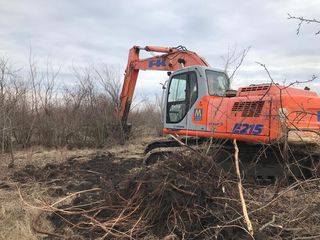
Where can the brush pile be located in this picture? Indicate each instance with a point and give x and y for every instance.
(183, 197)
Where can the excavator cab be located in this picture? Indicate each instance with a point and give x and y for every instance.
(185, 88)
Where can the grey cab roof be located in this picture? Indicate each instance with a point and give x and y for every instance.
(193, 68)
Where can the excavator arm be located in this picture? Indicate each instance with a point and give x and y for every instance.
(172, 59)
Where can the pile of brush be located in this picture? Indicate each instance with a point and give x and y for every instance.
(185, 197)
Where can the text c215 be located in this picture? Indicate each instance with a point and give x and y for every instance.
(244, 128)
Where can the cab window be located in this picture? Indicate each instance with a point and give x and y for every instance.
(217, 83)
(183, 92)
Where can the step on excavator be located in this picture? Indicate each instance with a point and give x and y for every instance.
(277, 127)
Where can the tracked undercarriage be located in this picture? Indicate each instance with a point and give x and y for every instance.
(260, 163)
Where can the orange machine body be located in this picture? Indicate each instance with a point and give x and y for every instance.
(197, 104)
(258, 114)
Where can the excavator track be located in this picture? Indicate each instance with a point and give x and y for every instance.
(259, 163)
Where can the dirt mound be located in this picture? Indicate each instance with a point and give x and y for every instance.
(76, 175)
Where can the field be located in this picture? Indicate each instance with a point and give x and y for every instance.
(89, 194)
(16, 217)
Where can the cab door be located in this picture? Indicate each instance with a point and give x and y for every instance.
(181, 95)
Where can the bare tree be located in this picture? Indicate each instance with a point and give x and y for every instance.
(110, 81)
(233, 61)
(34, 111)
(10, 93)
(304, 20)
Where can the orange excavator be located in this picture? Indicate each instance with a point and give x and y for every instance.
(200, 105)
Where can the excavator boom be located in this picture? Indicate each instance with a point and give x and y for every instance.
(172, 59)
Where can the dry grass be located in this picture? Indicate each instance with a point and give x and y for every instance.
(16, 218)
(39, 156)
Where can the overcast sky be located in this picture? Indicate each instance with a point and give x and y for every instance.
(83, 32)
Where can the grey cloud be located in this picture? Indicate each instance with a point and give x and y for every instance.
(81, 32)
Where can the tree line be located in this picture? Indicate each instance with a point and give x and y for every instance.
(36, 110)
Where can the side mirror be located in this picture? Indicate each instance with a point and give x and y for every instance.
(164, 85)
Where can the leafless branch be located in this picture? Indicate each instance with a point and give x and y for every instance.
(304, 20)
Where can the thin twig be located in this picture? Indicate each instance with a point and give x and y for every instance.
(242, 200)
